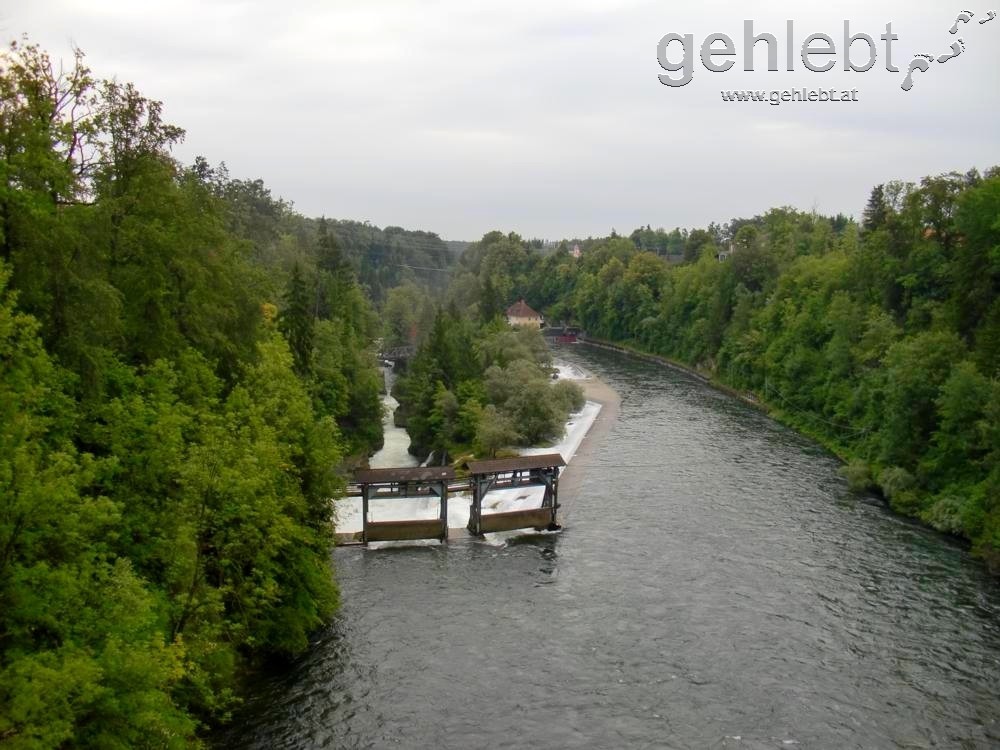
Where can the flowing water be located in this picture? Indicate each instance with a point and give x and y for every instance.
(395, 448)
(716, 586)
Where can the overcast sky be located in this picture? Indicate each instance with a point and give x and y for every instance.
(546, 118)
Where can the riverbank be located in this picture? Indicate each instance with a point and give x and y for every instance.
(583, 432)
(745, 396)
(803, 426)
(596, 391)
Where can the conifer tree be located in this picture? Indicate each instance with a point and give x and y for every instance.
(296, 322)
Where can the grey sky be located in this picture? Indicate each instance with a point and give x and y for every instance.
(542, 117)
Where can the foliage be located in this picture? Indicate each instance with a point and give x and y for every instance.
(408, 314)
(297, 322)
(495, 430)
(881, 340)
(485, 384)
(167, 456)
(858, 475)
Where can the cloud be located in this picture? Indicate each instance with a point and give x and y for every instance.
(547, 118)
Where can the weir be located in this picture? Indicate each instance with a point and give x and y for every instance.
(403, 483)
(417, 483)
(521, 471)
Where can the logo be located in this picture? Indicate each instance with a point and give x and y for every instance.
(855, 52)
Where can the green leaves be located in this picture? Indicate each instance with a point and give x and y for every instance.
(166, 460)
(882, 342)
(82, 649)
(296, 322)
(489, 387)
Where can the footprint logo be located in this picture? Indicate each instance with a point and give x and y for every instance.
(921, 63)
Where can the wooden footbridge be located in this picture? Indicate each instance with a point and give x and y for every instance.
(398, 353)
(417, 484)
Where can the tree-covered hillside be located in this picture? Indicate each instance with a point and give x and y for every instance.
(280, 237)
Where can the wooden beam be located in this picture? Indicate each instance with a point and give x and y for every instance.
(406, 531)
(444, 509)
(536, 518)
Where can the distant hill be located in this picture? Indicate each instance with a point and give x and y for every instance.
(389, 256)
(280, 237)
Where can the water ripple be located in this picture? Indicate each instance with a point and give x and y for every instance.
(717, 587)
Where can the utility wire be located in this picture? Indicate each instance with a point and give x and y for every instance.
(853, 430)
(420, 268)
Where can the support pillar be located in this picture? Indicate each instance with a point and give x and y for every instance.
(365, 490)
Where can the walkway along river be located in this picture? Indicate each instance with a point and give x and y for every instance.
(716, 586)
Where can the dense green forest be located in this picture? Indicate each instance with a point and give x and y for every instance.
(477, 385)
(882, 340)
(184, 361)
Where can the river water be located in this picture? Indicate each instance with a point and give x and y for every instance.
(716, 586)
(396, 441)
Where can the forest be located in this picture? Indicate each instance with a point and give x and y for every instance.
(476, 387)
(186, 369)
(381, 258)
(881, 339)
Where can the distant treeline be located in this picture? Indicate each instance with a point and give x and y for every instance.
(882, 339)
(184, 362)
(381, 258)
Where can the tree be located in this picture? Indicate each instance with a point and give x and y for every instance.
(166, 461)
(296, 322)
(876, 211)
(82, 658)
(496, 430)
(443, 421)
(975, 271)
(696, 241)
(490, 305)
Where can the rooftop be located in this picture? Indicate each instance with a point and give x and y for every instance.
(520, 309)
(405, 474)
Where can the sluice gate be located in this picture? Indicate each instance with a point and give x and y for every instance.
(419, 483)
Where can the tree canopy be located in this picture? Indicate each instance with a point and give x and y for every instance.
(173, 409)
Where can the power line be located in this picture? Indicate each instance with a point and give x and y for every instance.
(420, 268)
(768, 388)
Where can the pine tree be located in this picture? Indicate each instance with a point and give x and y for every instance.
(876, 211)
(329, 256)
(296, 322)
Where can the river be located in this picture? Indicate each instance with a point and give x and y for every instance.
(396, 441)
(716, 586)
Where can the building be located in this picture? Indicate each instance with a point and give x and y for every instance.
(575, 252)
(519, 314)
